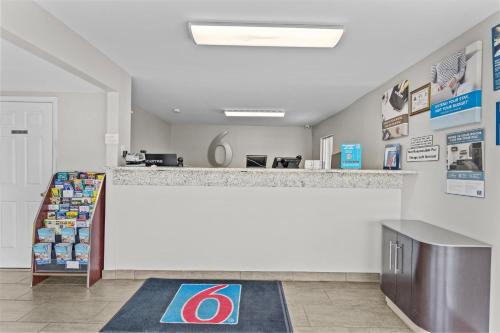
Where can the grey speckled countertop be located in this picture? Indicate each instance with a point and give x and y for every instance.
(237, 177)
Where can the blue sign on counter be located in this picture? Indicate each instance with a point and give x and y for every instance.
(350, 156)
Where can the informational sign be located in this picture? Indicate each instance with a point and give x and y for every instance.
(422, 141)
(495, 40)
(395, 111)
(350, 156)
(456, 88)
(465, 163)
(422, 154)
(392, 154)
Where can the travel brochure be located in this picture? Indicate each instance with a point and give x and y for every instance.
(65, 235)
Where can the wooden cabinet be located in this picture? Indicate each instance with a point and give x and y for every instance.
(438, 278)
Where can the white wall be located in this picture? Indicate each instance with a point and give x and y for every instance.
(424, 195)
(81, 125)
(27, 25)
(149, 132)
(192, 142)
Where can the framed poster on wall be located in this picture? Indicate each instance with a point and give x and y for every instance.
(495, 46)
(465, 163)
(395, 111)
(456, 88)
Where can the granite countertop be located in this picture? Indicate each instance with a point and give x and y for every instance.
(431, 234)
(240, 177)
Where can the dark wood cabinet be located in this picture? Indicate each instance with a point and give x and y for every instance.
(396, 275)
(388, 276)
(439, 279)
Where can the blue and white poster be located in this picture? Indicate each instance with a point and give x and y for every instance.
(456, 88)
(465, 163)
(350, 156)
(495, 40)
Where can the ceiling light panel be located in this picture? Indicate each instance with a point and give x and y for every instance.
(254, 113)
(265, 35)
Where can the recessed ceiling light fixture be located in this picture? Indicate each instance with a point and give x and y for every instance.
(233, 34)
(273, 113)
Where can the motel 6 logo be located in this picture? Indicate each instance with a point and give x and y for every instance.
(204, 303)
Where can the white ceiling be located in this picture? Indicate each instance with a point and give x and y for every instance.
(150, 40)
(20, 70)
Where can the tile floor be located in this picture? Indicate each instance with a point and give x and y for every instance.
(65, 305)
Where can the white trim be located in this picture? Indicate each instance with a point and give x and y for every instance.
(36, 99)
(408, 322)
(321, 150)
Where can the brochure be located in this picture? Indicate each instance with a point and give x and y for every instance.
(82, 253)
(83, 235)
(46, 235)
(64, 252)
(392, 154)
(68, 235)
(42, 253)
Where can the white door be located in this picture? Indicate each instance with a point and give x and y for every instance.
(25, 171)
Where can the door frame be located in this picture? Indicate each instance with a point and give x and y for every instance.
(37, 99)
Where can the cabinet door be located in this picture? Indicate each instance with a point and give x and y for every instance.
(388, 276)
(403, 257)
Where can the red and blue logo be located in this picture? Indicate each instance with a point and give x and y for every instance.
(205, 303)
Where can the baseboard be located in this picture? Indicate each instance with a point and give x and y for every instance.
(242, 275)
(414, 327)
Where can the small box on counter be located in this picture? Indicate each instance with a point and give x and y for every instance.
(42, 253)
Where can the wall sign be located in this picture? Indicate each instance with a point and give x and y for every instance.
(395, 111)
(212, 150)
(465, 163)
(422, 154)
(495, 40)
(350, 156)
(456, 88)
(420, 100)
(422, 141)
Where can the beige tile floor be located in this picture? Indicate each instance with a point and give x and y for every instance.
(65, 305)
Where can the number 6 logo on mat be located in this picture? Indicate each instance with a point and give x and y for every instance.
(204, 304)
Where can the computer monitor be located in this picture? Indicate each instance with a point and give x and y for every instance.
(287, 162)
(161, 159)
(256, 161)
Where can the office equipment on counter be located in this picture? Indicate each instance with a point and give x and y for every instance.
(287, 162)
(161, 160)
(313, 164)
(256, 161)
(135, 158)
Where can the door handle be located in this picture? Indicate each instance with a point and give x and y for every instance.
(43, 194)
(396, 268)
(390, 255)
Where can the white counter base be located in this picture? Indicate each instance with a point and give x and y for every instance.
(197, 228)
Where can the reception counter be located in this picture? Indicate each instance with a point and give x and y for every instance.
(247, 220)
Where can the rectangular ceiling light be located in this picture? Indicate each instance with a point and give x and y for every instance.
(265, 35)
(254, 113)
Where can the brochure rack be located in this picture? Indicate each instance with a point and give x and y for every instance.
(91, 270)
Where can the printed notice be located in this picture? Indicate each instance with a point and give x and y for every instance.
(465, 163)
(422, 154)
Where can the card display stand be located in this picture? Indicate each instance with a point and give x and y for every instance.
(91, 270)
